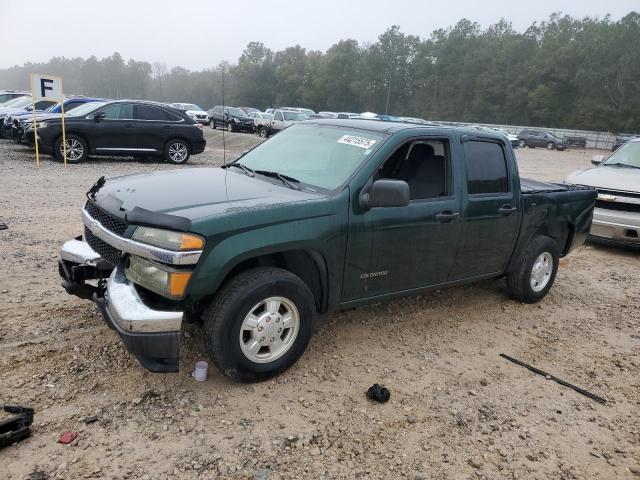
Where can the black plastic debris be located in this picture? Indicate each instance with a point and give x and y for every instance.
(16, 428)
(378, 393)
(3, 226)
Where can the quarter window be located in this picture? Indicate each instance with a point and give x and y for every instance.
(486, 168)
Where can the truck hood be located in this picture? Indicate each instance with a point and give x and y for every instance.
(608, 178)
(195, 193)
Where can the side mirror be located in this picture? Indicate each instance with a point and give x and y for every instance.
(597, 159)
(98, 116)
(28, 108)
(386, 193)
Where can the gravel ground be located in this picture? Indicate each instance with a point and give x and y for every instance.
(457, 410)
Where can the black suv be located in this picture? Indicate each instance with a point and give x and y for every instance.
(539, 138)
(232, 118)
(124, 128)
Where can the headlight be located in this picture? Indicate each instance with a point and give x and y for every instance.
(176, 241)
(161, 279)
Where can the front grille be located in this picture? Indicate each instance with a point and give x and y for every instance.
(619, 193)
(108, 221)
(618, 206)
(106, 251)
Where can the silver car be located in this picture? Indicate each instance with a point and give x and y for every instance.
(616, 218)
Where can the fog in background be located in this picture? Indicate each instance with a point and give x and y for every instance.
(196, 34)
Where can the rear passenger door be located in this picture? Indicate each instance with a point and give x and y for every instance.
(491, 214)
(155, 127)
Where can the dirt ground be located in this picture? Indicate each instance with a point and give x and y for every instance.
(457, 410)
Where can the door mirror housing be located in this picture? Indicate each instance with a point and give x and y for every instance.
(98, 116)
(597, 159)
(386, 193)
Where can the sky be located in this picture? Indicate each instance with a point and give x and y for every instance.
(196, 34)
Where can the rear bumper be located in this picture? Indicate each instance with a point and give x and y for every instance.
(150, 335)
(616, 227)
(198, 146)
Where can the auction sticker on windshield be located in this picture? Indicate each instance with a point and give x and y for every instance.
(356, 141)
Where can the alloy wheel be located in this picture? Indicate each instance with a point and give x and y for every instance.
(541, 272)
(75, 150)
(178, 152)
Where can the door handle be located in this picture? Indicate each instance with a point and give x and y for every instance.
(447, 216)
(507, 209)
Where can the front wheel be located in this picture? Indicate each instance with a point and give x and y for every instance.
(230, 127)
(77, 149)
(212, 123)
(259, 324)
(176, 151)
(263, 132)
(533, 277)
(522, 143)
(550, 146)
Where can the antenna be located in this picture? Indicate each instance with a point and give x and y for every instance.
(224, 127)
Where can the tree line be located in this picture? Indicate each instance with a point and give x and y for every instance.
(563, 72)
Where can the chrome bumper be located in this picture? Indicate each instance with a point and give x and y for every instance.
(616, 226)
(130, 313)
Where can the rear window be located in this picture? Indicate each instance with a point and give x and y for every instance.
(486, 168)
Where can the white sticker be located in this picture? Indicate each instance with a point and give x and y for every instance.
(356, 141)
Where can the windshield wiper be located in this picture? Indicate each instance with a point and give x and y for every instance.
(286, 179)
(620, 165)
(246, 169)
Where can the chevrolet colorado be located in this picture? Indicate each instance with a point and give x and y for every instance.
(329, 214)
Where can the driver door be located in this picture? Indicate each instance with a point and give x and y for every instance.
(116, 131)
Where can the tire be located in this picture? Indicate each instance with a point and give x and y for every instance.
(77, 149)
(212, 123)
(263, 132)
(530, 281)
(522, 143)
(230, 127)
(550, 146)
(228, 338)
(177, 151)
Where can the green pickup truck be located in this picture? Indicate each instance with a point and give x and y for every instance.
(328, 214)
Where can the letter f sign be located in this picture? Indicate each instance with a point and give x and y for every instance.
(45, 84)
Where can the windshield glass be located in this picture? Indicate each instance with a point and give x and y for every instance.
(236, 112)
(626, 155)
(85, 109)
(323, 156)
(191, 106)
(295, 116)
(18, 102)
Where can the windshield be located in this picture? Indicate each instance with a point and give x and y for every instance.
(85, 109)
(190, 106)
(323, 156)
(18, 102)
(627, 155)
(236, 112)
(295, 116)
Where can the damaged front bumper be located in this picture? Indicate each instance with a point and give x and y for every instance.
(152, 336)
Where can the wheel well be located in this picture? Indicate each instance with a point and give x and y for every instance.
(307, 265)
(561, 233)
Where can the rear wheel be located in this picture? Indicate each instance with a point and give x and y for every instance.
(176, 151)
(550, 146)
(230, 127)
(522, 143)
(77, 149)
(533, 277)
(213, 123)
(259, 324)
(263, 132)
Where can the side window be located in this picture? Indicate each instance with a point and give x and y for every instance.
(278, 116)
(424, 165)
(217, 109)
(118, 111)
(149, 112)
(486, 168)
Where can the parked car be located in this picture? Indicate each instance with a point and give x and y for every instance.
(249, 109)
(328, 114)
(194, 111)
(539, 138)
(281, 120)
(13, 126)
(259, 118)
(6, 95)
(18, 106)
(232, 118)
(575, 141)
(512, 137)
(123, 128)
(622, 139)
(327, 215)
(306, 111)
(616, 218)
